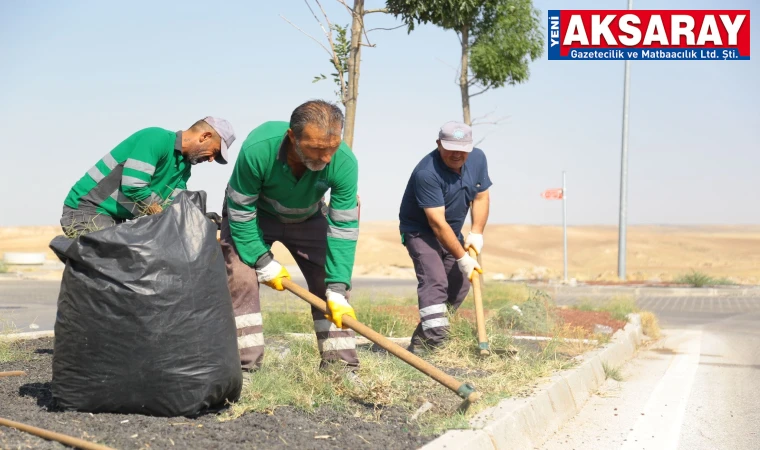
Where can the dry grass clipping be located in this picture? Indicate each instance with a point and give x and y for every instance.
(649, 324)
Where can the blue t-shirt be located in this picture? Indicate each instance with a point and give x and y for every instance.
(434, 184)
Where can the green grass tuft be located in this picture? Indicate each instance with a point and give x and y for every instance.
(10, 351)
(612, 372)
(700, 279)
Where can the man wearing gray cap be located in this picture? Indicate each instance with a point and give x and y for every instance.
(142, 174)
(433, 211)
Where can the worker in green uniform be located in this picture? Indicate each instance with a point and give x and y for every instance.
(275, 194)
(142, 174)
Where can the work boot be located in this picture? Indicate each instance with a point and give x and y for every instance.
(421, 350)
(378, 350)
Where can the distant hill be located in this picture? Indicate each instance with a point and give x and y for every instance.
(530, 251)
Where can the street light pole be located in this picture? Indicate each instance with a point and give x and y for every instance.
(624, 172)
(564, 222)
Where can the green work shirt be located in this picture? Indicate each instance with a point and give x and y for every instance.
(263, 182)
(147, 167)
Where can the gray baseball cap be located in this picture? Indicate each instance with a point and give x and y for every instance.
(225, 131)
(456, 136)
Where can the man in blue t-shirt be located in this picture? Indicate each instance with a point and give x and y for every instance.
(433, 210)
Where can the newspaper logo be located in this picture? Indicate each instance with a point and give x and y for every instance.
(649, 35)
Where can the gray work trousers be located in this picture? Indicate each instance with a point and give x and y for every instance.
(307, 243)
(76, 222)
(440, 286)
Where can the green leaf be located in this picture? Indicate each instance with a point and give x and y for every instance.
(505, 36)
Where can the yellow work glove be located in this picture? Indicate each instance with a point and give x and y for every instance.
(468, 265)
(337, 306)
(272, 275)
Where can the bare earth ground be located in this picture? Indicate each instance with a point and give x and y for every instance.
(530, 251)
(28, 399)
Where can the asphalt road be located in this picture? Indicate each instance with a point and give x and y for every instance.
(30, 305)
(697, 389)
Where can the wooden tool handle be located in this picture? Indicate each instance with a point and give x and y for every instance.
(464, 390)
(14, 373)
(480, 319)
(52, 435)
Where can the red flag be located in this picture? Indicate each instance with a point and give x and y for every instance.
(553, 194)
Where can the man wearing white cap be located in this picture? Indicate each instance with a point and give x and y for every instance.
(142, 174)
(433, 211)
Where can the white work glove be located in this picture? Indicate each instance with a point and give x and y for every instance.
(337, 306)
(474, 241)
(272, 275)
(468, 265)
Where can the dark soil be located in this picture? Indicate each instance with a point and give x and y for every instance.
(28, 399)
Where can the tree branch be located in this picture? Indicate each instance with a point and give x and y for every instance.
(361, 19)
(478, 93)
(445, 63)
(336, 62)
(496, 122)
(307, 34)
(386, 29)
(477, 119)
(379, 10)
(317, 18)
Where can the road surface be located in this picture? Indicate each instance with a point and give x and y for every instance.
(30, 305)
(696, 389)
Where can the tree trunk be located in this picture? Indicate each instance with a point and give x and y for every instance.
(463, 83)
(354, 61)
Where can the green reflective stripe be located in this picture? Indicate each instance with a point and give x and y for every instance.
(109, 161)
(140, 166)
(126, 180)
(124, 201)
(240, 199)
(351, 234)
(95, 173)
(311, 209)
(344, 215)
(240, 216)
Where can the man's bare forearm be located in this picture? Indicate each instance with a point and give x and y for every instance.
(448, 239)
(480, 209)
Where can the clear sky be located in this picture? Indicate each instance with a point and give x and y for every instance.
(78, 77)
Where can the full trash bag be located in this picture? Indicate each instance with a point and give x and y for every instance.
(145, 322)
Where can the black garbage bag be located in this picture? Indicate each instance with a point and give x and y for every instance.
(145, 322)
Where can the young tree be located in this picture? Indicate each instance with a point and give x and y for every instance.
(345, 57)
(499, 39)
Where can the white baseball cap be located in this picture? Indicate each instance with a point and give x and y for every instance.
(456, 136)
(225, 131)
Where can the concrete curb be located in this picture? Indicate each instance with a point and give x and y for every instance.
(642, 292)
(27, 335)
(527, 422)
